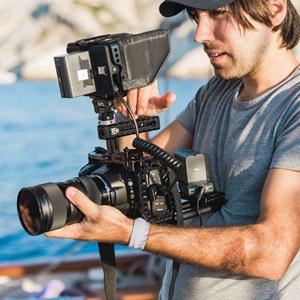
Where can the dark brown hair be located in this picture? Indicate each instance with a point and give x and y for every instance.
(259, 11)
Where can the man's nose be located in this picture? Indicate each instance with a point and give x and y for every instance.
(204, 32)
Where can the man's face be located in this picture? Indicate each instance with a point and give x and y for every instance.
(233, 52)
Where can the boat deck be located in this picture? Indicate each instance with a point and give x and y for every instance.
(82, 279)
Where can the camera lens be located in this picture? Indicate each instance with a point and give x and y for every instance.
(44, 207)
(29, 211)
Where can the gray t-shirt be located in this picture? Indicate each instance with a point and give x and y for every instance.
(241, 142)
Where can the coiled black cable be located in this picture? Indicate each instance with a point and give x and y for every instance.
(157, 153)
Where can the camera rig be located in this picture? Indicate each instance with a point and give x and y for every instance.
(106, 68)
(140, 182)
(154, 200)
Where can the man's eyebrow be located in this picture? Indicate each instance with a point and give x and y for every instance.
(221, 8)
(212, 10)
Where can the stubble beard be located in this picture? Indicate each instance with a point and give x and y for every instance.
(229, 72)
(238, 66)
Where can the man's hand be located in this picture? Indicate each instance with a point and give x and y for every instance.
(147, 101)
(101, 223)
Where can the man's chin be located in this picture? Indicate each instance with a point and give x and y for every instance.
(225, 74)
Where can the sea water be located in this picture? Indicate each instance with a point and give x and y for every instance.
(45, 138)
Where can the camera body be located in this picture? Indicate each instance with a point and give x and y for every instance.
(140, 182)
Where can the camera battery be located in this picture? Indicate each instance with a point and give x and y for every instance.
(193, 172)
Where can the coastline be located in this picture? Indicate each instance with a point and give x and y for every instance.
(42, 29)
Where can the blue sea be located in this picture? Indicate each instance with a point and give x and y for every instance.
(45, 138)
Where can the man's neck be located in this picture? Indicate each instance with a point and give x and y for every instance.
(272, 73)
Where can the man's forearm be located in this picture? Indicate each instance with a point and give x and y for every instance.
(240, 250)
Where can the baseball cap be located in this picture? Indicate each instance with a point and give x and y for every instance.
(171, 8)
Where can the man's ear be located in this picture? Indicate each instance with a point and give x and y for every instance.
(278, 11)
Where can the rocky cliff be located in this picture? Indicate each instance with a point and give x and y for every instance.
(34, 31)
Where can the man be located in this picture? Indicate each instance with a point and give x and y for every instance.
(246, 121)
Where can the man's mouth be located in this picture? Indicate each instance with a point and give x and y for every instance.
(216, 57)
(215, 54)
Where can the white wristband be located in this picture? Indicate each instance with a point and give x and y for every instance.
(139, 234)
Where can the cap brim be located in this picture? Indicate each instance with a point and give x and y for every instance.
(171, 8)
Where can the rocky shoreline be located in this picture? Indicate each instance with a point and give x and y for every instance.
(34, 31)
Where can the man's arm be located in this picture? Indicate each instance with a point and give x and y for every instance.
(264, 249)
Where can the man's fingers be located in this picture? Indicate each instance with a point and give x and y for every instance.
(132, 97)
(82, 202)
(146, 101)
(144, 95)
(167, 100)
(160, 104)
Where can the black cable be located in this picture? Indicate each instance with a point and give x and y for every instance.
(199, 197)
(157, 152)
(129, 111)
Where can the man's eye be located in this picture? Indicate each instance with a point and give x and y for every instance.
(219, 13)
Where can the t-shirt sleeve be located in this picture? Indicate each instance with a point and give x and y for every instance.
(287, 145)
(188, 117)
